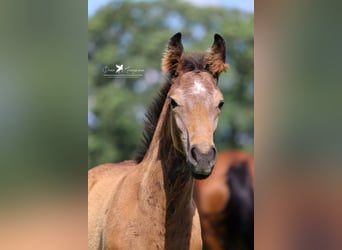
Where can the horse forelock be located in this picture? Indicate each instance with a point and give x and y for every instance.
(193, 62)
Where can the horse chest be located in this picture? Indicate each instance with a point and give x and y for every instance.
(136, 236)
(146, 233)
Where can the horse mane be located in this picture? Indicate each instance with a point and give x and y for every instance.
(189, 62)
(151, 120)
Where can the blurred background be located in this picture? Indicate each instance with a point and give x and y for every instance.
(135, 34)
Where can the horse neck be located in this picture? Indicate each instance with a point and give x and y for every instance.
(166, 175)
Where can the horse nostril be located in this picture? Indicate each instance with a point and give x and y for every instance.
(193, 153)
(212, 154)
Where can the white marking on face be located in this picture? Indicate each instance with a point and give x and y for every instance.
(198, 87)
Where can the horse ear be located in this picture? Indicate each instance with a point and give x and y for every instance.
(217, 56)
(172, 54)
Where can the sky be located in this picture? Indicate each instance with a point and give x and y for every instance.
(245, 5)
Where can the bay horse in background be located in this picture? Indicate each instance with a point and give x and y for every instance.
(147, 203)
(225, 203)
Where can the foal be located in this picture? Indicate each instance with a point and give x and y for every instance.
(147, 203)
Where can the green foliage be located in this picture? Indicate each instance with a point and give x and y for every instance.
(135, 34)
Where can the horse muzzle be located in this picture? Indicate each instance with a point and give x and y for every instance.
(202, 160)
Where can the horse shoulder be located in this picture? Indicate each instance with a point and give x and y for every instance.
(103, 181)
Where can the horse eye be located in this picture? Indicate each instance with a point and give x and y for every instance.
(173, 103)
(220, 105)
